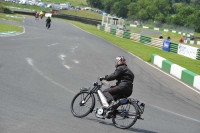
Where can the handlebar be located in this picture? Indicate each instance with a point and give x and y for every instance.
(103, 81)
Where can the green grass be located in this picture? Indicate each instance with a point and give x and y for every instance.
(141, 50)
(12, 17)
(83, 13)
(9, 27)
(135, 30)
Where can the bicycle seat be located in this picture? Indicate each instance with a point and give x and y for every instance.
(123, 100)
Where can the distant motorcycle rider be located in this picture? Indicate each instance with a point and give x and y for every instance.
(41, 14)
(36, 15)
(48, 21)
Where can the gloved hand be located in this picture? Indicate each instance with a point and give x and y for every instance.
(113, 85)
(101, 78)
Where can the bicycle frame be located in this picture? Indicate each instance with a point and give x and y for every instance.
(95, 90)
(97, 87)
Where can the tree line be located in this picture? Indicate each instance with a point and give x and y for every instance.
(179, 12)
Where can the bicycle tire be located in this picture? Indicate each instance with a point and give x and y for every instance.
(78, 102)
(122, 115)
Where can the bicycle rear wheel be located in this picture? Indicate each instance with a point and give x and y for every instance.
(125, 116)
(82, 104)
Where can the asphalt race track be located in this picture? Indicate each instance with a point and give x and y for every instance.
(42, 69)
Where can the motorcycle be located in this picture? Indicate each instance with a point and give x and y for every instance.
(41, 16)
(124, 113)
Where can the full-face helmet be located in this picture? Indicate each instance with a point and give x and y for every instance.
(120, 60)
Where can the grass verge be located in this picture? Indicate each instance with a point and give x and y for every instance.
(11, 17)
(9, 27)
(141, 50)
(83, 13)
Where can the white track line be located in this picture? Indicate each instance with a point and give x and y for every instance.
(30, 62)
(53, 44)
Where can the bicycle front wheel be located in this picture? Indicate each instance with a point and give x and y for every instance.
(125, 116)
(82, 104)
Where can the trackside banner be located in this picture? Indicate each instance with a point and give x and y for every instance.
(187, 51)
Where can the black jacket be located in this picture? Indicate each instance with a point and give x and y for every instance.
(123, 75)
(48, 20)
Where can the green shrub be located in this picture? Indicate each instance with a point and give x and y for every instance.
(8, 11)
(1, 8)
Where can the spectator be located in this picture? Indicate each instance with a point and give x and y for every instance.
(168, 38)
(161, 37)
(181, 39)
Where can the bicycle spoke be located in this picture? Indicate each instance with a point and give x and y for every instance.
(126, 116)
(82, 104)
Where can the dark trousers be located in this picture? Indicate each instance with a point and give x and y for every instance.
(47, 24)
(117, 92)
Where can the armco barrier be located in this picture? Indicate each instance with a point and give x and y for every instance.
(157, 43)
(177, 71)
(192, 42)
(145, 40)
(76, 18)
(65, 16)
(126, 35)
(25, 13)
(173, 47)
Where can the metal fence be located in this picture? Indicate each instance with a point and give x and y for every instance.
(150, 23)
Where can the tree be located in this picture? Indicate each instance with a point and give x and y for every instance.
(193, 20)
(196, 4)
(142, 13)
(107, 5)
(159, 17)
(182, 17)
(163, 6)
(120, 8)
(95, 3)
(176, 7)
(132, 10)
